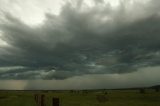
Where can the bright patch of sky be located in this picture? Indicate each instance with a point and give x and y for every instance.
(32, 12)
(2, 42)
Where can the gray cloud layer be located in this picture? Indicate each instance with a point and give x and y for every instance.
(151, 76)
(98, 40)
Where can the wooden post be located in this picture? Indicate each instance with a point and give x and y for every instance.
(39, 99)
(142, 91)
(55, 101)
(157, 89)
(42, 100)
(36, 97)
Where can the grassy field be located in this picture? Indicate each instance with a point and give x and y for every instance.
(80, 98)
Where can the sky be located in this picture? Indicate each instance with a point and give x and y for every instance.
(79, 44)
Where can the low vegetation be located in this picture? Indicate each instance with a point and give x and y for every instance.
(83, 98)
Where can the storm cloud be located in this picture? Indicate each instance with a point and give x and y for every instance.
(81, 40)
(151, 76)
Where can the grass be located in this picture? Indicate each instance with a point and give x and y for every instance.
(67, 98)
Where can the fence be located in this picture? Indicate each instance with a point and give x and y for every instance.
(40, 100)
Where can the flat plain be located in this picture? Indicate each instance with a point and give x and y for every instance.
(83, 98)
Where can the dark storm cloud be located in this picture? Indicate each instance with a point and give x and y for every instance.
(78, 42)
(151, 76)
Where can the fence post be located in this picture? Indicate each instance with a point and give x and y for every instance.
(142, 91)
(55, 101)
(39, 99)
(36, 97)
(157, 89)
(42, 100)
